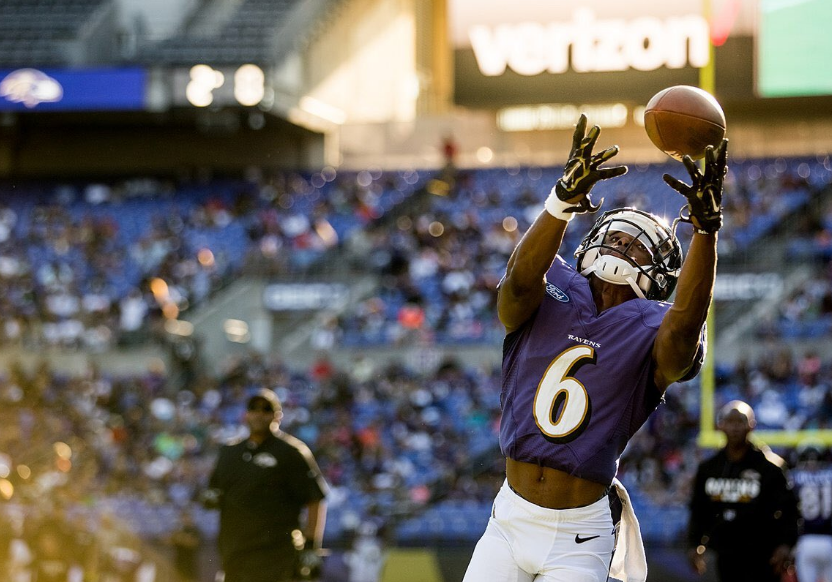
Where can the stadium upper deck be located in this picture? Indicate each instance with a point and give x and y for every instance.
(363, 83)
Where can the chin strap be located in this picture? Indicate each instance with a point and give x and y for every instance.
(628, 279)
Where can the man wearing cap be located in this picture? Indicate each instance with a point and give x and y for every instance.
(263, 486)
(743, 507)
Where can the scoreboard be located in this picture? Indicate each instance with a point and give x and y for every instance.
(203, 85)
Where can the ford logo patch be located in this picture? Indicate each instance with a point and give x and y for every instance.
(557, 293)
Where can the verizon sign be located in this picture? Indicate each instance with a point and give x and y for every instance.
(590, 44)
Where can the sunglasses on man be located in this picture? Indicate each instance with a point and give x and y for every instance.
(260, 408)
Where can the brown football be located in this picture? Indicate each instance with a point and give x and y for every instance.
(684, 120)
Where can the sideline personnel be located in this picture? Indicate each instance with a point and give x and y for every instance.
(743, 507)
(262, 485)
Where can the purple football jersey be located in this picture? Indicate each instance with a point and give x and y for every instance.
(578, 385)
(814, 491)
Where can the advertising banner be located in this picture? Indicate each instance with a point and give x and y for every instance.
(598, 51)
(31, 89)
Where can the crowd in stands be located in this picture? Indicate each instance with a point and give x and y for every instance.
(411, 452)
(787, 391)
(807, 310)
(91, 266)
(388, 440)
(438, 269)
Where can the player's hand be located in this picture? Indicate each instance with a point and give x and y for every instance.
(704, 195)
(309, 563)
(582, 169)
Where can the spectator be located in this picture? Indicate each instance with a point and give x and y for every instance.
(133, 310)
(54, 548)
(365, 558)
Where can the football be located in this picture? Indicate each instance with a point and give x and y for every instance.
(684, 120)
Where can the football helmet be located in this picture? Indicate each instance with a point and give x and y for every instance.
(810, 451)
(655, 280)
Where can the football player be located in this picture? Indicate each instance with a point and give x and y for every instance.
(812, 478)
(587, 356)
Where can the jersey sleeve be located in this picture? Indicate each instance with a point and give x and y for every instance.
(560, 273)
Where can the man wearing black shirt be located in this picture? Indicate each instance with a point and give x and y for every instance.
(743, 507)
(262, 487)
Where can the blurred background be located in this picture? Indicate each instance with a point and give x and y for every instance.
(201, 197)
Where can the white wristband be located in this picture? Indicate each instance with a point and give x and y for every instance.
(557, 207)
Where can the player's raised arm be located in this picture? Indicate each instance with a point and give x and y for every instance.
(679, 335)
(522, 289)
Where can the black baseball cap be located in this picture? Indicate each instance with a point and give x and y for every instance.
(267, 396)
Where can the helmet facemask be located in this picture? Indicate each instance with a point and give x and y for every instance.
(654, 280)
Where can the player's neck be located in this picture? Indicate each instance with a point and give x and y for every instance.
(608, 295)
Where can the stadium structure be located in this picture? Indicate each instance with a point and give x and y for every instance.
(202, 196)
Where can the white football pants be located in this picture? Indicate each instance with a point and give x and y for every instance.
(525, 542)
(813, 558)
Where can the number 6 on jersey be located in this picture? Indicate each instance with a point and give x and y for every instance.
(561, 404)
